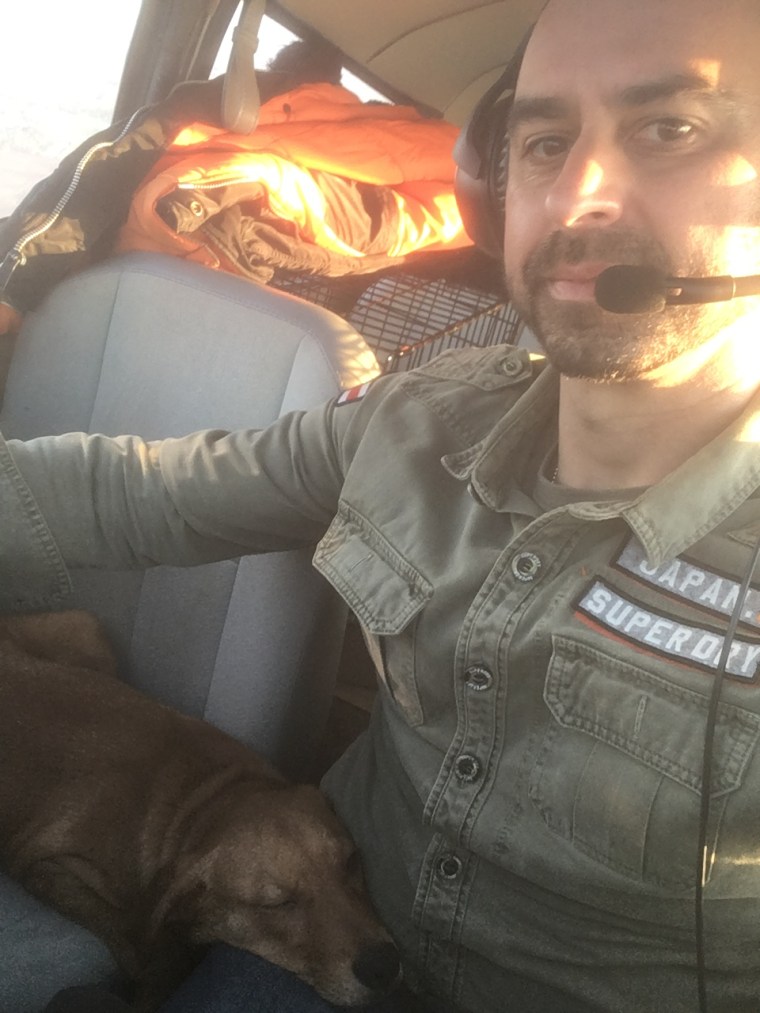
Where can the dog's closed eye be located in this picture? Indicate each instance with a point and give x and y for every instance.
(277, 905)
(274, 897)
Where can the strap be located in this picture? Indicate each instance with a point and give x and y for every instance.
(240, 99)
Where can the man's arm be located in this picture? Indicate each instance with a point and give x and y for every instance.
(92, 501)
(32, 572)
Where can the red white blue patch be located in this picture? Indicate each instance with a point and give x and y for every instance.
(354, 394)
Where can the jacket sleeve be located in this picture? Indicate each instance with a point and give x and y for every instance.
(93, 501)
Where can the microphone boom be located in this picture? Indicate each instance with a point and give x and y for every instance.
(637, 288)
(631, 288)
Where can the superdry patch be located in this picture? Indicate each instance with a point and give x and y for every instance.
(684, 579)
(354, 394)
(621, 618)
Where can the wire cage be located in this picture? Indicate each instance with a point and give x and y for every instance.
(408, 318)
(336, 294)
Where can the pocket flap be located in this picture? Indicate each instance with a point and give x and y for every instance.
(378, 584)
(648, 717)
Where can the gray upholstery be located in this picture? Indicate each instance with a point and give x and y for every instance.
(155, 346)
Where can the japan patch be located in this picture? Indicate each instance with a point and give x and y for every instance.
(354, 394)
(687, 581)
(614, 615)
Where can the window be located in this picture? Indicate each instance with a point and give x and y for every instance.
(272, 38)
(59, 76)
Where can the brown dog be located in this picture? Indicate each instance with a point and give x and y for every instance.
(161, 834)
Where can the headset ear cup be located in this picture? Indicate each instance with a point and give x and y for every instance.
(482, 154)
(497, 167)
(482, 157)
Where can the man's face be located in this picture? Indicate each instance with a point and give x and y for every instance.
(635, 138)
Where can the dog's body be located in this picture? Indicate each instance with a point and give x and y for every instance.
(162, 834)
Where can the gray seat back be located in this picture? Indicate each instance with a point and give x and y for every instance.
(156, 346)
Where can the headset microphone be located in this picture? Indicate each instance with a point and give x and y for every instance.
(636, 288)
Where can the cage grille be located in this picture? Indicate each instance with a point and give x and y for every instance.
(407, 319)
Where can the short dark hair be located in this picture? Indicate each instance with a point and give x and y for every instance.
(307, 61)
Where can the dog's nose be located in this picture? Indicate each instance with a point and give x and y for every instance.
(378, 967)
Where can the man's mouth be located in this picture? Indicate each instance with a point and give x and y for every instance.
(574, 283)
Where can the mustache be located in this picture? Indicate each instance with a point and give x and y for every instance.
(616, 245)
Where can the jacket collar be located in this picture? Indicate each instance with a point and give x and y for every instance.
(667, 518)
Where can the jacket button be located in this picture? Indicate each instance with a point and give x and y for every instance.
(512, 367)
(467, 768)
(449, 867)
(525, 566)
(196, 207)
(478, 678)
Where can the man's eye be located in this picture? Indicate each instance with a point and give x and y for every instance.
(670, 131)
(545, 148)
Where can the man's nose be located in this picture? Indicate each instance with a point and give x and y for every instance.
(590, 188)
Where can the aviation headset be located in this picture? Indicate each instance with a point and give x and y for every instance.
(481, 154)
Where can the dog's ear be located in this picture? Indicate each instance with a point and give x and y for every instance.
(179, 897)
(73, 638)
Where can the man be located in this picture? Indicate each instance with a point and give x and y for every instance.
(545, 564)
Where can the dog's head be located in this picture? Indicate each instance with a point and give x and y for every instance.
(276, 874)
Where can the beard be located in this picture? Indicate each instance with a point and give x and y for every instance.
(581, 339)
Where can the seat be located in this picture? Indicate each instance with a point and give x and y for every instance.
(156, 346)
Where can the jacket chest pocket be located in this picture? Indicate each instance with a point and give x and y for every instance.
(620, 767)
(386, 593)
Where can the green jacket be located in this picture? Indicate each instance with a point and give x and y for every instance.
(526, 798)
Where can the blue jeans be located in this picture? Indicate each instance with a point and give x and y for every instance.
(233, 981)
